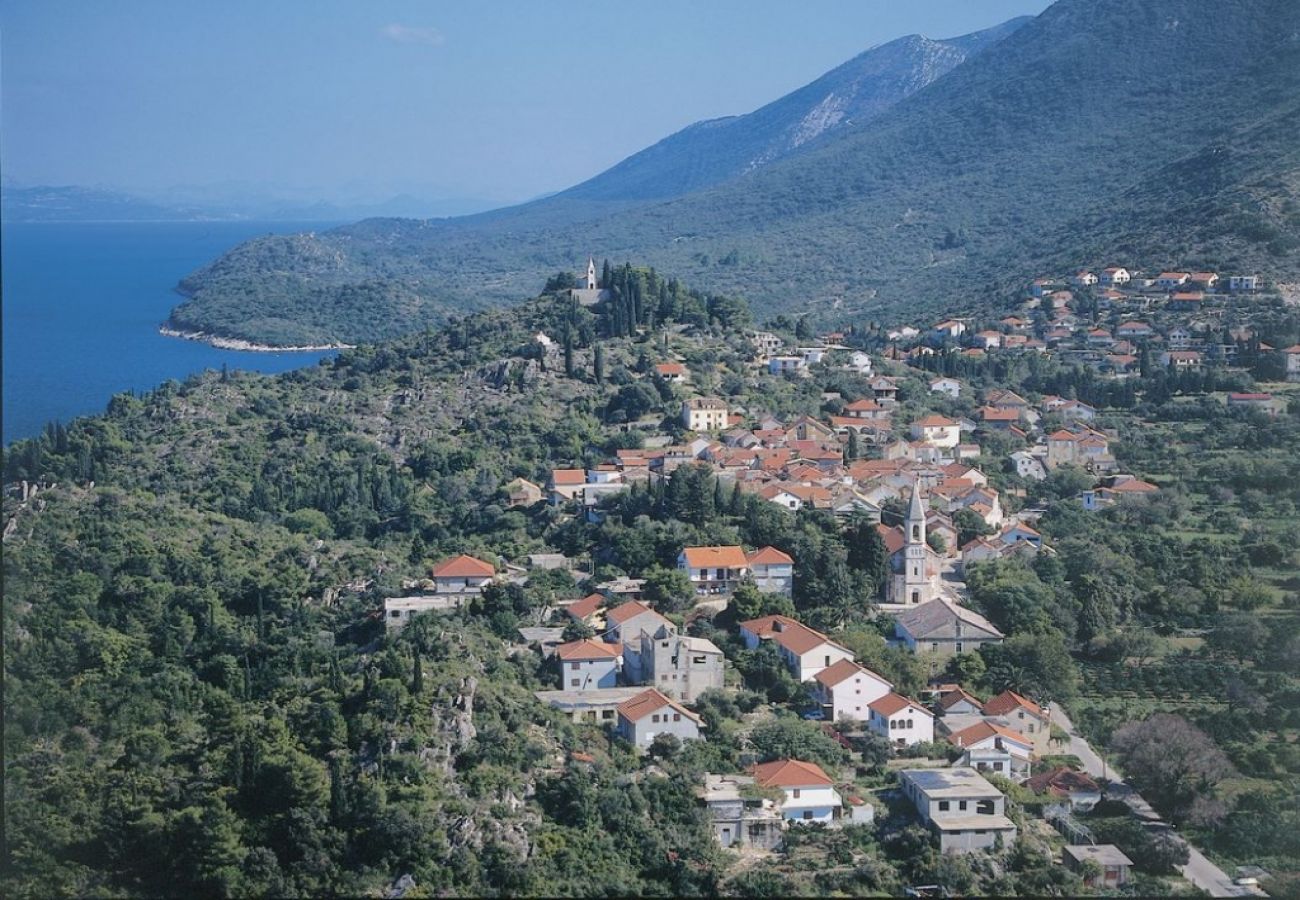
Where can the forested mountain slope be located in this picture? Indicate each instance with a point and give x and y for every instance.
(1098, 128)
(710, 152)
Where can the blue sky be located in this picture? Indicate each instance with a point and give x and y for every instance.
(496, 101)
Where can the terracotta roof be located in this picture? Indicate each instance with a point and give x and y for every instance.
(588, 649)
(586, 606)
(769, 556)
(646, 702)
(982, 731)
(784, 773)
(934, 421)
(892, 703)
(1133, 486)
(790, 633)
(1062, 781)
(715, 557)
(862, 406)
(845, 668)
(621, 613)
(1008, 701)
(464, 567)
(952, 698)
(993, 414)
(670, 369)
(568, 476)
(893, 537)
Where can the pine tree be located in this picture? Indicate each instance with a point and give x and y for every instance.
(598, 365)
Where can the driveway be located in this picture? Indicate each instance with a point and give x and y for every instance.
(1199, 870)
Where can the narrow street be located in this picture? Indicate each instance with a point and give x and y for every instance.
(1199, 870)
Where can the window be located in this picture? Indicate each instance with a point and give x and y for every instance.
(807, 813)
(959, 646)
(575, 666)
(934, 646)
(677, 717)
(794, 793)
(607, 713)
(984, 807)
(575, 682)
(961, 805)
(827, 659)
(395, 614)
(663, 677)
(698, 660)
(909, 723)
(655, 718)
(944, 806)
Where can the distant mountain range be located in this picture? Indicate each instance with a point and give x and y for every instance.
(1103, 131)
(71, 203)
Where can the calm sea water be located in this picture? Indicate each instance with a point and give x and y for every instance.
(82, 305)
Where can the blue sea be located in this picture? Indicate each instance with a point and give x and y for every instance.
(82, 305)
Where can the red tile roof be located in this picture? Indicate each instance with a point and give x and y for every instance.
(646, 702)
(845, 668)
(1009, 700)
(621, 613)
(892, 703)
(982, 731)
(770, 556)
(715, 557)
(588, 649)
(585, 607)
(463, 567)
(784, 773)
(953, 697)
(568, 476)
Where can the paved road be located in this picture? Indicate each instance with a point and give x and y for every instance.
(1199, 870)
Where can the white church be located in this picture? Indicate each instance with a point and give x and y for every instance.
(588, 292)
(914, 570)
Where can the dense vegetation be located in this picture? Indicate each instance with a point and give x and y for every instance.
(200, 696)
(1072, 142)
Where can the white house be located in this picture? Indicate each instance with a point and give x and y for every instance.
(772, 570)
(1115, 277)
(901, 721)
(714, 570)
(960, 806)
(786, 365)
(462, 575)
(588, 665)
(1292, 355)
(1243, 282)
(704, 414)
(937, 430)
(650, 714)
(1028, 466)
(810, 795)
(804, 650)
(846, 690)
(950, 387)
(990, 736)
(627, 621)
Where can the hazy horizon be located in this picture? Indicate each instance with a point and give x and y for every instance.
(477, 107)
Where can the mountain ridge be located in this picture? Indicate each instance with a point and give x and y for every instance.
(1016, 159)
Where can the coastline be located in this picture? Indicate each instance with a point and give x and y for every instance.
(225, 343)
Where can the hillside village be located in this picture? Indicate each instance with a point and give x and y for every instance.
(916, 480)
(891, 604)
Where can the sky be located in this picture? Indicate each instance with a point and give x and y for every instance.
(494, 101)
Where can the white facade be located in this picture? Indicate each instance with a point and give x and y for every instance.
(965, 811)
(902, 726)
(850, 696)
(811, 804)
(950, 387)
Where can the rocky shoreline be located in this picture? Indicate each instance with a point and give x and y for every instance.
(227, 343)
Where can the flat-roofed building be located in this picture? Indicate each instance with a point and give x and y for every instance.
(960, 806)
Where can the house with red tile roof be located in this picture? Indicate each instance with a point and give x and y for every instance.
(588, 665)
(714, 570)
(810, 794)
(804, 650)
(650, 714)
(585, 610)
(462, 575)
(901, 720)
(987, 737)
(1068, 785)
(672, 372)
(772, 570)
(1023, 716)
(845, 690)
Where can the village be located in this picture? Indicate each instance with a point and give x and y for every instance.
(624, 666)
